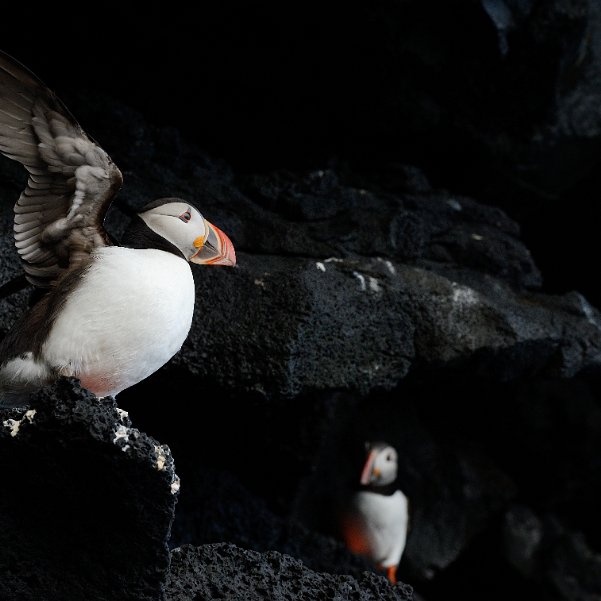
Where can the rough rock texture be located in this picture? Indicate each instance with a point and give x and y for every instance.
(388, 292)
(87, 501)
(439, 276)
(503, 93)
(247, 521)
(227, 572)
(352, 307)
(546, 551)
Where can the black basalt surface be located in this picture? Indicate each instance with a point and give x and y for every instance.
(227, 572)
(87, 501)
(417, 316)
(412, 191)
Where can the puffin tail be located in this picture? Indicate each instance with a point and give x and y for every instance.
(19, 377)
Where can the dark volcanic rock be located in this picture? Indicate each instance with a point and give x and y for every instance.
(87, 501)
(227, 572)
(310, 324)
(246, 521)
(545, 550)
(455, 490)
(486, 91)
(324, 264)
(345, 288)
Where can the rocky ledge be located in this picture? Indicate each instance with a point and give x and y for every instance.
(87, 501)
(223, 571)
(87, 509)
(364, 305)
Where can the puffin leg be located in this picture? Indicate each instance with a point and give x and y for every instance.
(391, 574)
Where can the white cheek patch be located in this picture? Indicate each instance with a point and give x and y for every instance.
(165, 221)
(169, 227)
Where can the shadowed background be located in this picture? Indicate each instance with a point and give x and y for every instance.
(458, 141)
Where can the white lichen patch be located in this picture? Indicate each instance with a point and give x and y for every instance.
(371, 370)
(374, 285)
(588, 311)
(161, 461)
(361, 279)
(122, 414)
(391, 268)
(477, 237)
(463, 296)
(121, 433)
(333, 260)
(454, 204)
(260, 282)
(125, 448)
(14, 424)
(175, 485)
(320, 266)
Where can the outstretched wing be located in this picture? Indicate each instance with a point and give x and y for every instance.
(72, 181)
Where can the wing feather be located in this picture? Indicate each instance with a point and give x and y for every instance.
(72, 181)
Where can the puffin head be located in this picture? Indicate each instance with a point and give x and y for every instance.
(380, 467)
(182, 225)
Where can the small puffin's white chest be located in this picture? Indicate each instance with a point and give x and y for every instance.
(127, 317)
(383, 521)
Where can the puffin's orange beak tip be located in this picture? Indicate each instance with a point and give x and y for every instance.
(221, 252)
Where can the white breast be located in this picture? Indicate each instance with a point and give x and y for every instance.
(383, 520)
(129, 315)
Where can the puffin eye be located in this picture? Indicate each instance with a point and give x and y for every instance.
(186, 216)
(389, 457)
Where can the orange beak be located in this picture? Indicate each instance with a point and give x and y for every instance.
(367, 468)
(214, 248)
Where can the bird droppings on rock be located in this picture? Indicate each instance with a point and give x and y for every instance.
(391, 268)
(14, 425)
(463, 295)
(374, 285)
(161, 457)
(121, 432)
(175, 485)
(361, 279)
(454, 204)
(122, 414)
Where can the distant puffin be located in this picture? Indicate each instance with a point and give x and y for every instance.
(375, 518)
(112, 315)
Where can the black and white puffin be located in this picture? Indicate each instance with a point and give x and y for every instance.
(375, 518)
(112, 315)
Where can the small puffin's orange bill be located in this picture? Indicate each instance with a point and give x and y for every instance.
(366, 473)
(214, 248)
(367, 468)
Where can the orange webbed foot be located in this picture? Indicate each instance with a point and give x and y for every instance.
(391, 574)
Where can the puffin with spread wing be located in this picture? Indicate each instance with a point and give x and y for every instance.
(111, 315)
